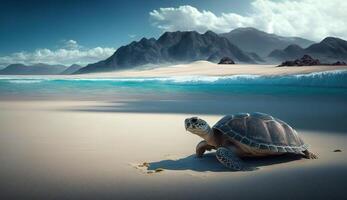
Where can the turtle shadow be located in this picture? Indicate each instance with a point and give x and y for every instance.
(209, 163)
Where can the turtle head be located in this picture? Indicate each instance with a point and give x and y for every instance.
(197, 126)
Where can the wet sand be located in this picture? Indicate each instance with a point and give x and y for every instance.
(71, 150)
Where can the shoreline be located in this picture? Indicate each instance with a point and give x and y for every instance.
(198, 68)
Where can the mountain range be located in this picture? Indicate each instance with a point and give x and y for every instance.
(253, 40)
(34, 69)
(242, 45)
(330, 49)
(245, 45)
(39, 69)
(176, 46)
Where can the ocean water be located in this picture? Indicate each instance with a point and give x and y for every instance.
(332, 83)
(316, 101)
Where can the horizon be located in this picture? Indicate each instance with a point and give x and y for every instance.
(73, 41)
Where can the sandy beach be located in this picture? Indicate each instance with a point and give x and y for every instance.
(90, 137)
(205, 68)
(67, 149)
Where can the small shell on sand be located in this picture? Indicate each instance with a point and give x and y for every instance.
(155, 171)
(159, 170)
(144, 167)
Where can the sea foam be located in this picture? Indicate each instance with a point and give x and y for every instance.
(336, 78)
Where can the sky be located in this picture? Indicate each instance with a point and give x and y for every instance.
(86, 31)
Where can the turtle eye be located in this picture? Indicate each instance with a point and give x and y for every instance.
(194, 119)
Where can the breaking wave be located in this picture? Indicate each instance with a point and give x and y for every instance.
(337, 78)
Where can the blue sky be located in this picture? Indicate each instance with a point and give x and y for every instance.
(31, 24)
(84, 31)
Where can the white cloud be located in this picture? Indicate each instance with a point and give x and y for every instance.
(70, 53)
(71, 44)
(312, 19)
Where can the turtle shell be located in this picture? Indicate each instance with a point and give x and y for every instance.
(261, 131)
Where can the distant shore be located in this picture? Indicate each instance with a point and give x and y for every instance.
(199, 68)
(205, 68)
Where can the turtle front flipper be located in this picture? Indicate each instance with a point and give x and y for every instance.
(202, 147)
(229, 159)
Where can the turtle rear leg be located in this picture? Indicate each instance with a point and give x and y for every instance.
(309, 155)
(229, 159)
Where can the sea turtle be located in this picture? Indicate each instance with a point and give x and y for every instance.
(246, 135)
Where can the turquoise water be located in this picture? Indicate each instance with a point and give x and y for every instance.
(316, 101)
(333, 83)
